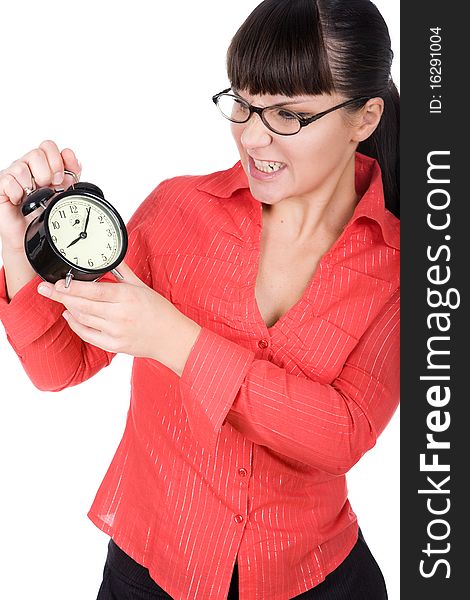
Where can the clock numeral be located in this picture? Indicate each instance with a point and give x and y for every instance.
(110, 233)
(56, 224)
(108, 246)
(62, 214)
(73, 209)
(90, 262)
(75, 258)
(62, 251)
(54, 239)
(104, 257)
(101, 219)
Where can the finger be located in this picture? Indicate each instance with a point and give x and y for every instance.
(99, 323)
(10, 189)
(128, 274)
(90, 335)
(78, 305)
(71, 162)
(88, 290)
(19, 170)
(99, 291)
(38, 164)
(54, 159)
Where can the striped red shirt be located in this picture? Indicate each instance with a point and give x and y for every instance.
(244, 456)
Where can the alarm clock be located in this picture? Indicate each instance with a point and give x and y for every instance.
(77, 235)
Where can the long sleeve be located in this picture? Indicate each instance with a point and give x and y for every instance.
(52, 355)
(326, 426)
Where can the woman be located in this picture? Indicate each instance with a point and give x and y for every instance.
(261, 304)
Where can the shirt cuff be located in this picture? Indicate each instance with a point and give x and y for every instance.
(209, 384)
(28, 315)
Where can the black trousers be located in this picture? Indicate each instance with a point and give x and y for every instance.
(358, 577)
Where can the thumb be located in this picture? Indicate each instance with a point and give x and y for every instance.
(71, 163)
(128, 274)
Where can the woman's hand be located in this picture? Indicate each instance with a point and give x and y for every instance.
(126, 316)
(43, 166)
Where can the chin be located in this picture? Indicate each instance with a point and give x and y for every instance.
(264, 195)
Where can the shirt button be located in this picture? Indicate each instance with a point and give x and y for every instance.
(242, 472)
(263, 344)
(238, 518)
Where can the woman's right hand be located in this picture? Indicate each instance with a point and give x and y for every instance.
(46, 165)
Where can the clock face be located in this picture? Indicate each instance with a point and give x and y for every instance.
(85, 232)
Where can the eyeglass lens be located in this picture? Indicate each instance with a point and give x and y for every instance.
(278, 119)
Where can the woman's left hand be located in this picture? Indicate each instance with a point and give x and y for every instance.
(126, 316)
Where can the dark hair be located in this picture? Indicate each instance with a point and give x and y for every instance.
(294, 47)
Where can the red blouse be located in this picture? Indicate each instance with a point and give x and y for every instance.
(242, 457)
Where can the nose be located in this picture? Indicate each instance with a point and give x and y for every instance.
(255, 133)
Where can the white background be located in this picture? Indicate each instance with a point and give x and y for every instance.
(128, 86)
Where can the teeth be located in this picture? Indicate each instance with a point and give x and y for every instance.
(267, 166)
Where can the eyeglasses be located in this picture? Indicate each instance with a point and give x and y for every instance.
(276, 118)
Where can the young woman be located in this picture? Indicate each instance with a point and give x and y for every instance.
(261, 306)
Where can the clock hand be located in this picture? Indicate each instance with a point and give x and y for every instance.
(83, 234)
(87, 219)
(75, 241)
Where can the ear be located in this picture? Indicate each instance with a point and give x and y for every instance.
(368, 119)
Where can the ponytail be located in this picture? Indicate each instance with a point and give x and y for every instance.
(384, 146)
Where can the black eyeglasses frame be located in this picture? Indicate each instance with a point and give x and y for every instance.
(303, 121)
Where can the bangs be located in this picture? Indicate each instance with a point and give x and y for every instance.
(265, 57)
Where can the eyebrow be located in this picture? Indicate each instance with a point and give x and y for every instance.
(290, 102)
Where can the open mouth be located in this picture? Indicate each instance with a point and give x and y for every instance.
(268, 166)
(264, 169)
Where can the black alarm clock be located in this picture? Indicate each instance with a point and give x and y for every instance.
(77, 235)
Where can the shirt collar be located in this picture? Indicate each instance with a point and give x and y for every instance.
(371, 205)
(224, 184)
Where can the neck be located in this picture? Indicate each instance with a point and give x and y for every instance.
(327, 210)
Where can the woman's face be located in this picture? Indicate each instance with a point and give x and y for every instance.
(301, 164)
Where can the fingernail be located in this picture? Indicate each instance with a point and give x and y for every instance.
(58, 178)
(44, 290)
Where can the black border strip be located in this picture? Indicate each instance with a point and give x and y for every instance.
(435, 326)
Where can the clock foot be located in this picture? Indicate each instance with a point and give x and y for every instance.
(116, 274)
(68, 279)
